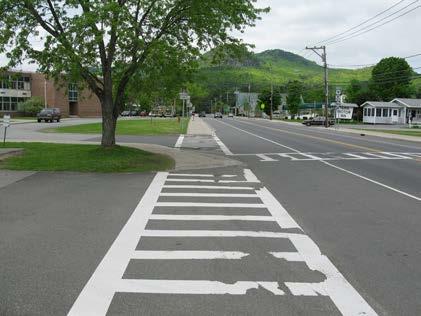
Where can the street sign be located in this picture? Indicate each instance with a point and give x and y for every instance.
(6, 120)
(184, 96)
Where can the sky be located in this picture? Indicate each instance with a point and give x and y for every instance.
(293, 24)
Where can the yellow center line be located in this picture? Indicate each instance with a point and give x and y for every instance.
(319, 138)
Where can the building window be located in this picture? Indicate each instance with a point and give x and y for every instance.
(73, 93)
(365, 112)
(378, 112)
(385, 111)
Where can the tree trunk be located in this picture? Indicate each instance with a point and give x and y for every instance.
(109, 121)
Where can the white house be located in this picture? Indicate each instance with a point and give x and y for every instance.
(412, 108)
(383, 113)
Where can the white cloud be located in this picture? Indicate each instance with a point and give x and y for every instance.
(293, 24)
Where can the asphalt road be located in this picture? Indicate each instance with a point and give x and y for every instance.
(314, 223)
(368, 227)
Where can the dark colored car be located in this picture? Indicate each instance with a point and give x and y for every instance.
(218, 115)
(49, 115)
(125, 113)
(134, 113)
(202, 114)
(318, 120)
(143, 113)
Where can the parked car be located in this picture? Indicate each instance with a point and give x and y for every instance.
(49, 115)
(230, 115)
(217, 115)
(202, 114)
(318, 120)
(125, 113)
(134, 113)
(143, 113)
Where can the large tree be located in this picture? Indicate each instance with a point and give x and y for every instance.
(295, 92)
(105, 42)
(391, 78)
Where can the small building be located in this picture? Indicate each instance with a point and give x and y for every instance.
(16, 87)
(383, 113)
(246, 103)
(412, 108)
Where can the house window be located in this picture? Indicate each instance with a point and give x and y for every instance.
(385, 111)
(372, 112)
(73, 93)
(365, 112)
(378, 112)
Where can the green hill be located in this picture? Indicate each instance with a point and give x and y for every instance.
(275, 66)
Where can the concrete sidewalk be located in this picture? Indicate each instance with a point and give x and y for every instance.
(198, 127)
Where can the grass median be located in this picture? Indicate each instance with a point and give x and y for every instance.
(84, 158)
(138, 127)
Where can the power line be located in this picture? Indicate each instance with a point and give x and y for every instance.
(376, 27)
(373, 64)
(361, 24)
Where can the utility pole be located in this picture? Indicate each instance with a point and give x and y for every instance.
(271, 101)
(324, 59)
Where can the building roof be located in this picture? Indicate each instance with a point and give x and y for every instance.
(376, 104)
(348, 105)
(411, 103)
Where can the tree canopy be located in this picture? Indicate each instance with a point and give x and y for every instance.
(295, 92)
(391, 78)
(104, 43)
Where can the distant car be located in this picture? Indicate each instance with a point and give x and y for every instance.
(49, 115)
(202, 114)
(230, 115)
(318, 120)
(125, 113)
(143, 113)
(134, 113)
(217, 115)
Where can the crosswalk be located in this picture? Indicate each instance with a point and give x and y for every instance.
(206, 236)
(295, 156)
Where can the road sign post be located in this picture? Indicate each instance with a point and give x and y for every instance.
(183, 96)
(6, 124)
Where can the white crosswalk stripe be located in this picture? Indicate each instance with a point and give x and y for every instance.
(301, 157)
(107, 280)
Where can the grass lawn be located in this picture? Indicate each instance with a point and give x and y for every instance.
(156, 126)
(414, 132)
(83, 158)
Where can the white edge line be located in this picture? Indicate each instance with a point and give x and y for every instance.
(96, 296)
(179, 141)
(221, 145)
(191, 194)
(373, 181)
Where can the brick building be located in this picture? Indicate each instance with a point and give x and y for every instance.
(17, 87)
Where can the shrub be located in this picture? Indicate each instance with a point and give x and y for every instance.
(31, 106)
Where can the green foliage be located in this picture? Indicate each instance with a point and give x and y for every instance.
(391, 78)
(359, 92)
(295, 92)
(109, 45)
(31, 106)
(265, 98)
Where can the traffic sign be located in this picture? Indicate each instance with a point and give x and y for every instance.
(6, 120)
(184, 96)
